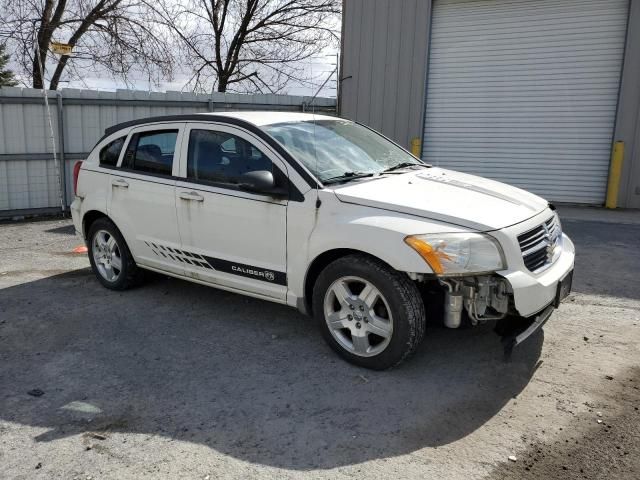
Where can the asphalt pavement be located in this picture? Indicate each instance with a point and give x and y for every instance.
(177, 380)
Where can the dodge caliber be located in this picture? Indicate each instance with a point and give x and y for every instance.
(325, 215)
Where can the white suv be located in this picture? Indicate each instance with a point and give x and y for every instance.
(322, 214)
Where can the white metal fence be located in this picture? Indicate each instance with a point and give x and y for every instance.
(28, 180)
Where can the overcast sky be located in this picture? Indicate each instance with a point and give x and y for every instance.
(316, 71)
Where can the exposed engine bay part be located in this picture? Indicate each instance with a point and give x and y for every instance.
(484, 298)
(453, 303)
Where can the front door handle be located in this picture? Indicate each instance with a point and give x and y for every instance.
(191, 196)
(118, 182)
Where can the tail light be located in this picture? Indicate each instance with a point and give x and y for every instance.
(76, 174)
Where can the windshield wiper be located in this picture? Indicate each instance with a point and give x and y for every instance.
(405, 165)
(347, 176)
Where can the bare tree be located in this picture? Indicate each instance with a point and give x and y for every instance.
(249, 45)
(108, 36)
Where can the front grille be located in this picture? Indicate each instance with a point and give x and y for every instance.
(538, 245)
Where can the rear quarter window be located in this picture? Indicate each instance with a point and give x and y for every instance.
(110, 153)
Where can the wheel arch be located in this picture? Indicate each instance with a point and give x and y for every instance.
(319, 263)
(90, 217)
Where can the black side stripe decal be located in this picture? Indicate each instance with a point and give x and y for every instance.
(257, 273)
(234, 268)
(178, 255)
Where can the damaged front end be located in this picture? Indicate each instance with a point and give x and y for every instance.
(484, 298)
(474, 299)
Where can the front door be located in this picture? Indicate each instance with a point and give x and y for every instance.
(142, 198)
(233, 238)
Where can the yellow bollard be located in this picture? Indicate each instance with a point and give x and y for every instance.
(615, 171)
(415, 147)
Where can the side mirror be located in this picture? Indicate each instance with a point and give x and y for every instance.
(259, 181)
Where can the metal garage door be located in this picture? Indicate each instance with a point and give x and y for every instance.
(525, 92)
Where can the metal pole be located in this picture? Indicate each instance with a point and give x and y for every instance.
(615, 172)
(323, 84)
(63, 165)
(51, 134)
(337, 82)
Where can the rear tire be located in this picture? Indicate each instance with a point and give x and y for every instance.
(370, 314)
(110, 257)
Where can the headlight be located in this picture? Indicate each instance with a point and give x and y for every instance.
(458, 253)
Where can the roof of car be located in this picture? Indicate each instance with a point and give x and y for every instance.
(255, 118)
(260, 118)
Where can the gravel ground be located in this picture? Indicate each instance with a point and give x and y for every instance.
(176, 380)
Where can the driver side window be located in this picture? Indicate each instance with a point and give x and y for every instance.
(221, 157)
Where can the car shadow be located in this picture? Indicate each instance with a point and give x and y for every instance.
(63, 230)
(245, 377)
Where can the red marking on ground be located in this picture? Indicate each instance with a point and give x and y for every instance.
(80, 249)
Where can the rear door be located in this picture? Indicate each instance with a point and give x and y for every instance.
(142, 196)
(232, 238)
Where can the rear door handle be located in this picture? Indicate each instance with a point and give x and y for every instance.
(118, 182)
(191, 196)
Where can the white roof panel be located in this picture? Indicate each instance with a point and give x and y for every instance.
(260, 118)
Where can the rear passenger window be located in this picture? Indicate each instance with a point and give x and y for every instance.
(222, 157)
(110, 153)
(151, 152)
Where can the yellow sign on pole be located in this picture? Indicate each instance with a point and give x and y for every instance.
(61, 48)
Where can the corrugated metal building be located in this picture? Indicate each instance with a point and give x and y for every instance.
(30, 181)
(529, 92)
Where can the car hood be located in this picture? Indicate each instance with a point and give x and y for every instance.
(445, 195)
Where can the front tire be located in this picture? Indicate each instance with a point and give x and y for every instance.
(111, 260)
(370, 314)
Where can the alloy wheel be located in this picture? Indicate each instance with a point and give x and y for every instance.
(107, 256)
(358, 316)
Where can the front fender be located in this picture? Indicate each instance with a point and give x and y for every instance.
(381, 236)
(373, 231)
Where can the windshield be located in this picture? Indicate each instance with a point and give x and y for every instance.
(337, 148)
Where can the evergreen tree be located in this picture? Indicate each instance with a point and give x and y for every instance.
(6, 76)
